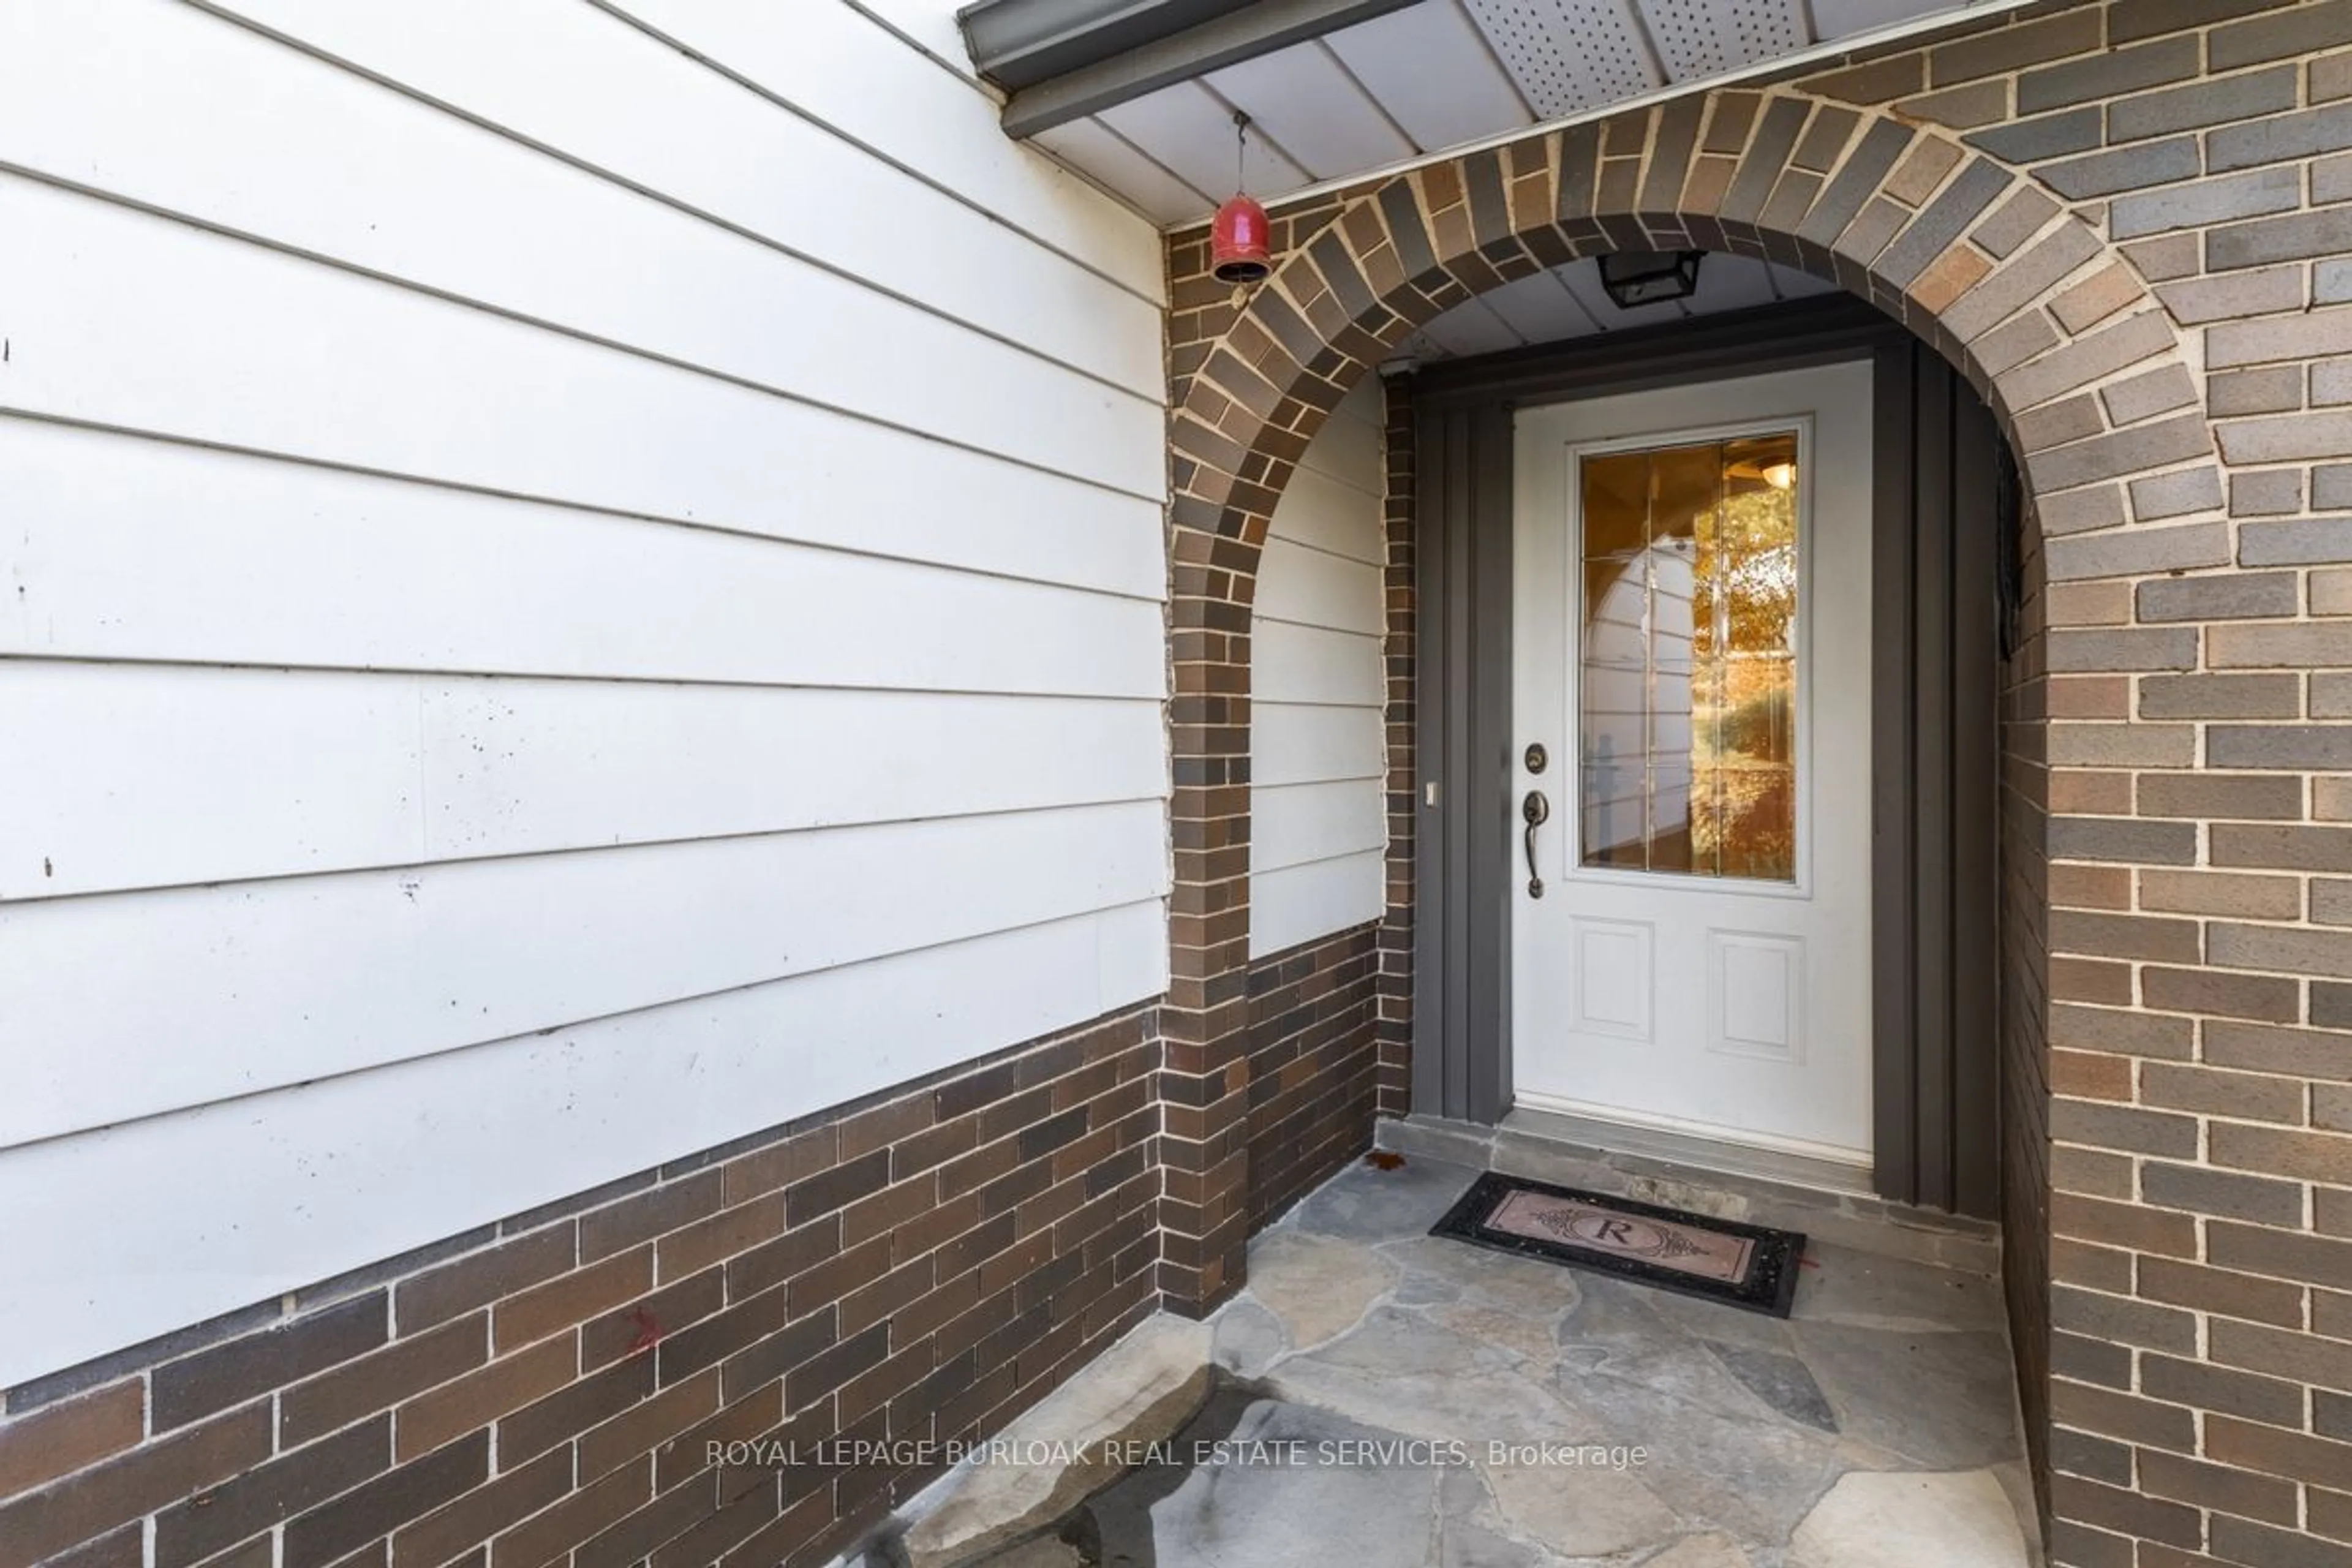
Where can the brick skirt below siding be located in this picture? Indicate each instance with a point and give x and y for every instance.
(1315, 1064)
(919, 1268)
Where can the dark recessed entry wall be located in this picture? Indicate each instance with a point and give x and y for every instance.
(1940, 565)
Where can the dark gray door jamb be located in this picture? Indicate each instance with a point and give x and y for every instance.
(1933, 1054)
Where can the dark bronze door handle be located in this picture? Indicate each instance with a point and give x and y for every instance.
(1537, 810)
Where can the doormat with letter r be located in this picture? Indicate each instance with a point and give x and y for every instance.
(1747, 1266)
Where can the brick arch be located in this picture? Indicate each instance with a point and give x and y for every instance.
(2084, 369)
(1975, 257)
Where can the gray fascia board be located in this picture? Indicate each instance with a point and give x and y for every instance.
(1243, 34)
(1019, 43)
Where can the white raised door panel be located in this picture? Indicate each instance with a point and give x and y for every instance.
(1756, 1002)
(1615, 976)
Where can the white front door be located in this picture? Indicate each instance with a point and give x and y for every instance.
(1691, 626)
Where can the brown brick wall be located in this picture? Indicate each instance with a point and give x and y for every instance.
(919, 1266)
(2130, 224)
(1314, 1065)
(2025, 1006)
(1398, 654)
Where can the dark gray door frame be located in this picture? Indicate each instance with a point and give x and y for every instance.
(1934, 652)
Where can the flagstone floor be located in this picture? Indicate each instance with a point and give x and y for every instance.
(1874, 1428)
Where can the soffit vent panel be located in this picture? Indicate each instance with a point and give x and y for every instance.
(1706, 37)
(1568, 55)
(1841, 18)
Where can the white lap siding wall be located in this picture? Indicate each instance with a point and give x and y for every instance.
(580, 581)
(1318, 823)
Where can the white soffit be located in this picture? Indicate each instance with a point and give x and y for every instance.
(1536, 309)
(1190, 130)
(1700, 38)
(1841, 18)
(1566, 54)
(1440, 75)
(1309, 106)
(1568, 302)
(1119, 166)
(1435, 73)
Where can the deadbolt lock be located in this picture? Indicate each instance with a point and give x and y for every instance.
(1537, 758)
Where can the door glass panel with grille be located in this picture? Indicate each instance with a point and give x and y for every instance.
(1687, 689)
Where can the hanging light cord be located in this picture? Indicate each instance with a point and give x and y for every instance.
(1241, 150)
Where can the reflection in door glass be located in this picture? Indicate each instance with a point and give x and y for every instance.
(1687, 692)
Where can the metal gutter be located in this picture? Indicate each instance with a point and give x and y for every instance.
(1019, 43)
(1065, 59)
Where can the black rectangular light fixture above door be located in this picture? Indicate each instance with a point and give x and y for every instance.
(1633, 278)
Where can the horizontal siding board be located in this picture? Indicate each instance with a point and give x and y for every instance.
(254, 985)
(1311, 587)
(508, 508)
(1348, 447)
(832, 65)
(1311, 664)
(141, 550)
(1303, 902)
(125, 547)
(1318, 805)
(1292, 743)
(381, 179)
(1306, 822)
(303, 772)
(123, 318)
(209, 1210)
(928, 25)
(1328, 515)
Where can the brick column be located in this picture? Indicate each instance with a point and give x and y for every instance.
(1205, 1082)
(1395, 1028)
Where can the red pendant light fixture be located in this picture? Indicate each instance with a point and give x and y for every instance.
(1240, 247)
